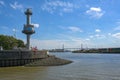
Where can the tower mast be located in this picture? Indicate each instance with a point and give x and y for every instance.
(28, 27)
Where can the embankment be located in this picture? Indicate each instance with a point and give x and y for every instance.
(29, 58)
(49, 61)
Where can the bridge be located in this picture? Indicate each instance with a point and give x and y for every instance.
(68, 48)
(72, 49)
(64, 49)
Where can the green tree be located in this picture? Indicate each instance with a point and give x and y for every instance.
(20, 43)
(8, 42)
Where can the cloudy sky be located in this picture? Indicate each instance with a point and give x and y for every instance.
(93, 23)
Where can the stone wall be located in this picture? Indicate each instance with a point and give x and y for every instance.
(20, 57)
(19, 54)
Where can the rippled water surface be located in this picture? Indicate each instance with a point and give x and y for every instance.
(84, 67)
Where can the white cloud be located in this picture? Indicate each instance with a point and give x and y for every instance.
(2, 3)
(75, 29)
(71, 28)
(87, 39)
(97, 36)
(95, 12)
(109, 34)
(95, 9)
(117, 28)
(36, 25)
(67, 10)
(91, 36)
(118, 25)
(97, 30)
(118, 22)
(100, 36)
(15, 6)
(116, 35)
(14, 30)
(58, 6)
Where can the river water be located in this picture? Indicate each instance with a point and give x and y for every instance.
(84, 67)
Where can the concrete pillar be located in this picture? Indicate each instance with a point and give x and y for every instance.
(28, 42)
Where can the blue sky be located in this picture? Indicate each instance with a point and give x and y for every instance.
(93, 23)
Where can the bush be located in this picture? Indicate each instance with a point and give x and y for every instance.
(9, 42)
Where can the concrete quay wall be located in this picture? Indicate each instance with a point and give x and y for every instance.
(20, 57)
(19, 54)
(16, 62)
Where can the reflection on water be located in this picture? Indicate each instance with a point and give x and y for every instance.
(84, 67)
